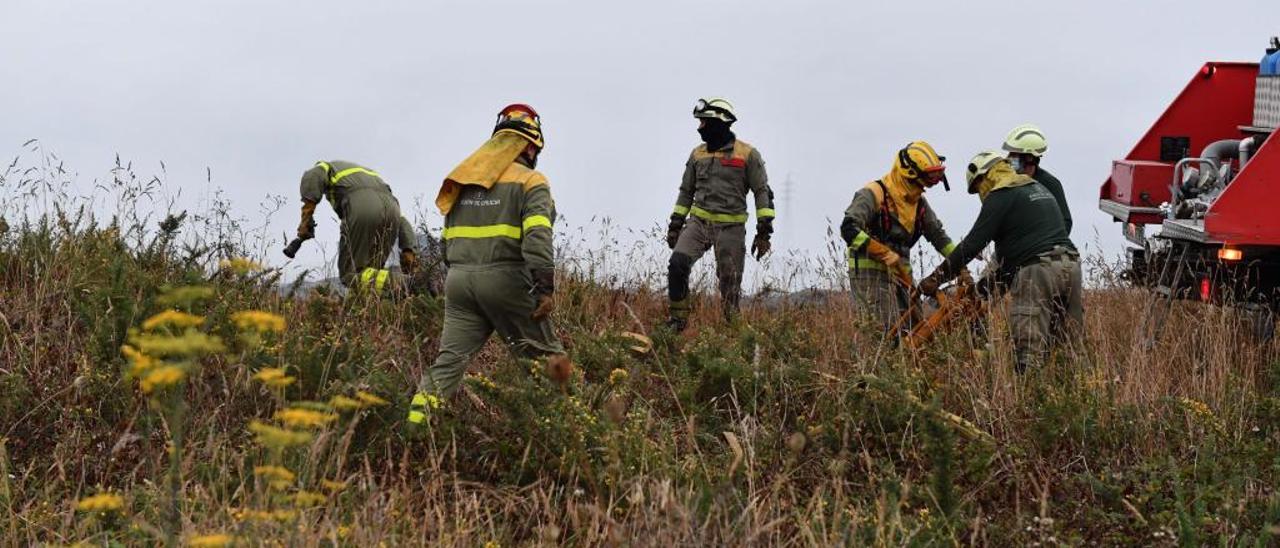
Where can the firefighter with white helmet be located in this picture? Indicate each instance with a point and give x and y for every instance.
(1025, 146)
(711, 210)
(1023, 219)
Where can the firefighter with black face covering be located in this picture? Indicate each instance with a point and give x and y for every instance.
(885, 220)
(711, 210)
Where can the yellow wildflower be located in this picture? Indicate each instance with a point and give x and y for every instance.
(140, 362)
(617, 376)
(274, 473)
(304, 499)
(184, 296)
(482, 380)
(211, 541)
(370, 400)
(101, 502)
(304, 418)
(492, 544)
(258, 320)
(263, 515)
(344, 531)
(172, 318)
(191, 343)
(241, 265)
(332, 486)
(343, 403)
(273, 377)
(168, 375)
(276, 437)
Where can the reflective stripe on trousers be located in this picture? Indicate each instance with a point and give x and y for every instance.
(377, 276)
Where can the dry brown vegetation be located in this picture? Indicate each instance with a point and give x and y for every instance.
(795, 426)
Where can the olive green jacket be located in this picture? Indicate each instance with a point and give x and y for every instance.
(337, 181)
(715, 184)
(507, 224)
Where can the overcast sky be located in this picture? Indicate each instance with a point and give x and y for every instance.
(257, 91)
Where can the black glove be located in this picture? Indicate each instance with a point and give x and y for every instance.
(760, 246)
(673, 230)
(847, 231)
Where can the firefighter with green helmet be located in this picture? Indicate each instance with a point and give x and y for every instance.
(1024, 220)
(711, 211)
(1025, 147)
(883, 222)
(371, 224)
(498, 245)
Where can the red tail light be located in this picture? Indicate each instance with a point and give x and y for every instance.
(1206, 290)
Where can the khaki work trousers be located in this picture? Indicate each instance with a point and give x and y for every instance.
(1046, 306)
(879, 296)
(369, 231)
(729, 242)
(478, 301)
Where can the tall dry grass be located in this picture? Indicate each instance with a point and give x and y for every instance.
(795, 426)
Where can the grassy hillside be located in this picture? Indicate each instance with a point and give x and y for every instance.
(119, 424)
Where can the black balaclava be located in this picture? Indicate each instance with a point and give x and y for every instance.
(715, 133)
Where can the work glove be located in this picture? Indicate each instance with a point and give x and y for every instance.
(673, 231)
(408, 261)
(307, 224)
(929, 285)
(760, 246)
(544, 288)
(847, 231)
(888, 257)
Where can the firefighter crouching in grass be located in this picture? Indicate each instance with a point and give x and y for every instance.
(498, 245)
(1024, 220)
(371, 224)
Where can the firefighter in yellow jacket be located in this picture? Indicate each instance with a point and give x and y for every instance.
(498, 245)
(885, 220)
(711, 210)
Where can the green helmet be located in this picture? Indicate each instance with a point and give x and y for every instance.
(1026, 139)
(981, 163)
(715, 107)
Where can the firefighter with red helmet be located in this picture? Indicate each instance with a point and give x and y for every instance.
(498, 224)
(711, 210)
(883, 222)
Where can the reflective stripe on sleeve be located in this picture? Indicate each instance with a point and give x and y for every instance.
(487, 231)
(765, 213)
(536, 220)
(859, 240)
(681, 210)
(947, 249)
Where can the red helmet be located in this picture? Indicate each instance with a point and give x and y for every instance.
(520, 119)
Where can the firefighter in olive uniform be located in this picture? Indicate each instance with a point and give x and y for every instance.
(1025, 221)
(498, 245)
(711, 210)
(885, 220)
(371, 223)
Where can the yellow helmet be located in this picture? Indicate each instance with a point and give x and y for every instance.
(1026, 139)
(981, 163)
(521, 120)
(715, 107)
(919, 161)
